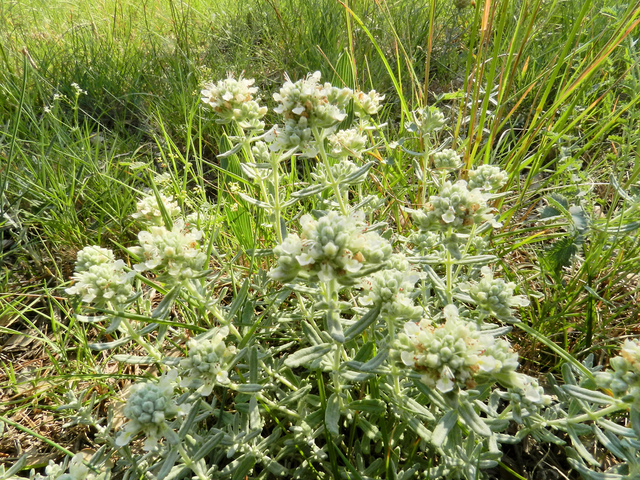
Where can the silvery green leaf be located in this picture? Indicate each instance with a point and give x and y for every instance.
(634, 418)
(418, 427)
(248, 387)
(411, 405)
(311, 333)
(189, 420)
(253, 201)
(362, 171)
(579, 446)
(588, 395)
(235, 149)
(295, 396)
(610, 442)
(332, 414)
(481, 259)
(365, 351)
(615, 428)
(101, 346)
(375, 362)
(334, 326)
(444, 426)
(576, 463)
(134, 359)
(309, 191)
(361, 325)
(164, 307)
(255, 419)
(211, 443)
(306, 355)
(373, 468)
(168, 464)
(470, 418)
(369, 405)
(240, 467)
(352, 376)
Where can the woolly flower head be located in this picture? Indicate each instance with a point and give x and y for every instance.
(294, 133)
(149, 407)
(450, 355)
(623, 379)
(148, 211)
(447, 159)
(174, 254)
(99, 278)
(390, 289)
(233, 99)
(334, 246)
(427, 120)
(343, 173)
(455, 207)
(494, 296)
(206, 364)
(487, 177)
(347, 142)
(77, 471)
(367, 103)
(323, 105)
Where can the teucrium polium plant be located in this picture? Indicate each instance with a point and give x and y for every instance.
(369, 354)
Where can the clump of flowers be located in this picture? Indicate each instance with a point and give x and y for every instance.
(149, 212)
(149, 407)
(293, 134)
(450, 355)
(623, 379)
(233, 100)
(347, 142)
(391, 289)
(446, 159)
(456, 208)
(331, 247)
(367, 104)
(427, 120)
(174, 253)
(494, 296)
(487, 177)
(321, 105)
(99, 278)
(207, 362)
(77, 470)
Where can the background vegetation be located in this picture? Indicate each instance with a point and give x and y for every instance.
(548, 90)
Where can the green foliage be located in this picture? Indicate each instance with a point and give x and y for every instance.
(98, 111)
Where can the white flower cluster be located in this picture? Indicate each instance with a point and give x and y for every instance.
(77, 471)
(347, 142)
(526, 395)
(367, 104)
(331, 247)
(456, 207)
(428, 120)
(292, 134)
(148, 211)
(175, 254)
(494, 296)
(149, 407)
(322, 105)
(487, 177)
(340, 171)
(390, 289)
(450, 355)
(99, 278)
(446, 159)
(623, 379)
(206, 364)
(233, 99)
